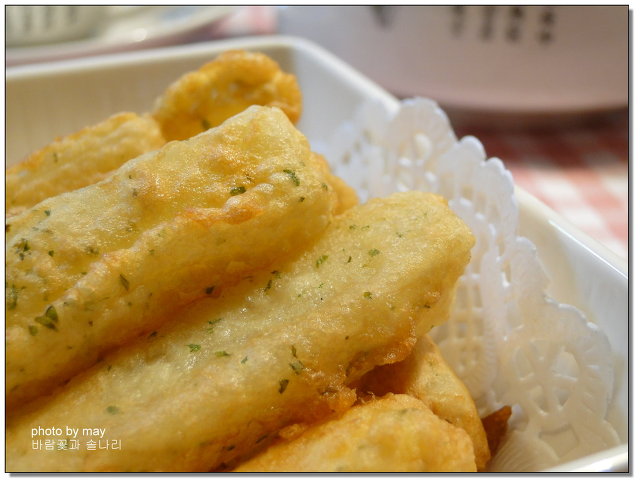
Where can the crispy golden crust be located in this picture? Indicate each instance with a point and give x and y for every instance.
(426, 375)
(79, 159)
(196, 102)
(229, 84)
(496, 425)
(396, 433)
(347, 196)
(219, 381)
(90, 269)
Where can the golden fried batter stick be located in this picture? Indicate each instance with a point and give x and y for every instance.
(90, 269)
(229, 84)
(79, 159)
(346, 195)
(396, 433)
(196, 102)
(496, 425)
(426, 375)
(280, 348)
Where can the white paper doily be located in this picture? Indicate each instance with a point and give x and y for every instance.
(508, 341)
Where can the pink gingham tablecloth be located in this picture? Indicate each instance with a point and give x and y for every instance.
(580, 171)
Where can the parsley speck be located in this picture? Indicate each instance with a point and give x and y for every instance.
(297, 366)
(321, 260)
(293, 176)
(112, 409)
(12, 297)
(23, 245)
(283, 385)
(49, 318)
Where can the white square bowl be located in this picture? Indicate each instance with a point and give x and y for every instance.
(48, 100)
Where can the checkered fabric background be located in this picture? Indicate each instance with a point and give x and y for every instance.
(580, 171)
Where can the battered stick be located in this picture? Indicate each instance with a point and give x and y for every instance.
(426, 375)
(90, 269)
(197, 101)
(396, 433)
(79, 159)
(279, 348)
(227, 85)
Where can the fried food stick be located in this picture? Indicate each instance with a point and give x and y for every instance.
(496, 426)
(235, 80)
(228, 373)
(194, 103)
(90, 269)
(346, 195)
(426, 375)
(79, 159)
(396, 433)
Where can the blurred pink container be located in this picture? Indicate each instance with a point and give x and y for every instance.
(531, 60)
